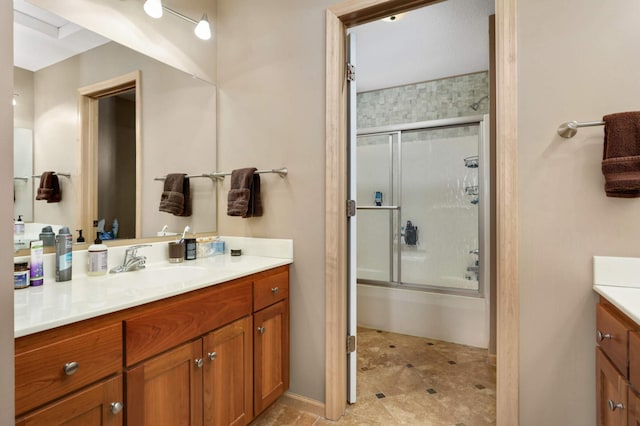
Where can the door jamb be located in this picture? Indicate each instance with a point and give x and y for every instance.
(88, 99)
(338, 18)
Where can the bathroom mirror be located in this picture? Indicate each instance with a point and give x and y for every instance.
(176, 134)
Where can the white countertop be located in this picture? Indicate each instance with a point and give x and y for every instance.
(59, 303)
(617, 279)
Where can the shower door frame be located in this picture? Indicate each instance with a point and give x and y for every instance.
(484, 206)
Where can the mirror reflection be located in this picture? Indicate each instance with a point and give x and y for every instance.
(173, 132)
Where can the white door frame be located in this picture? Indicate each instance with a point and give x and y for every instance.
(338, 19)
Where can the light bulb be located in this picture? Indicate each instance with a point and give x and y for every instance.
(203, 30)
(153, 8)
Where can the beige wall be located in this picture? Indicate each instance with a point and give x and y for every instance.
(6, 215)
(271, 114)
(169, 39)
(178, 133)
(577, 61)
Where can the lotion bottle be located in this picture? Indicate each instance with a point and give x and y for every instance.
(97, 257)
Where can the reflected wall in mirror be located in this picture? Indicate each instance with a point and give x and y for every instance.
(177, 135)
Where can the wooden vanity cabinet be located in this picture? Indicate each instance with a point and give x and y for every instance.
(193, 359)
(617, 367)
(271, 339)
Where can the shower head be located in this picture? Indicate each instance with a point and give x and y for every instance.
(474, 106)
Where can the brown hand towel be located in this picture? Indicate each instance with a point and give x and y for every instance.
(254, 209)
(176, 197)
(49, 188)
(621, 155)
(243, 200)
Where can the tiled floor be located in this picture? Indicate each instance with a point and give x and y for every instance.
(405, 380)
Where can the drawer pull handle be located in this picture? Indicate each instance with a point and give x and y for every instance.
(70, 368)
(199, 362)
(261, 330)
(602, 336)
(212, 356)
(613, 406)
(116, 407)
(275, 290)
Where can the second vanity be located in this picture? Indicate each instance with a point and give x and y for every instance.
(616, 280)
(152, 348)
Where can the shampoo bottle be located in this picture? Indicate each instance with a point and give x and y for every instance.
(64, 241)
(97, 257)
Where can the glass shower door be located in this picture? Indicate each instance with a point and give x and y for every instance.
(440, 199)
(377, 156)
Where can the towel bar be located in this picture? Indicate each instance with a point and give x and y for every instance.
(68, 175)
(24, 179)
(204, 175)
(570, 128)
(282, 172)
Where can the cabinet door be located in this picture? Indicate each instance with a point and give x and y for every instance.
(98, 405)
(271, 354)
(611, 393)
(167, 390)
(228, 376)
(634, 409)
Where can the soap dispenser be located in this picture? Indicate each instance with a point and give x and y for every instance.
(18, 226)
(97, 257)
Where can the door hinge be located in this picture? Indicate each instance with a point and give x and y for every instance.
(351, 208)
(351, 72)
(351, 344)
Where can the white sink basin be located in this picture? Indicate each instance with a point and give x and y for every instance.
(157, 277)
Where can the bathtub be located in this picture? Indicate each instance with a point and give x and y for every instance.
(458, 319)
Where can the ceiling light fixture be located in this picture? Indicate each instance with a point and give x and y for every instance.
(154, 8)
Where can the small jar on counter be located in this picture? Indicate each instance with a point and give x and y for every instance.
(20, 275)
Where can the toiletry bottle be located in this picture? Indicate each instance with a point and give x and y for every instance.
(36, 268)
(18, 227)
(47, 236)
(80, 238)
(97, 256)
(64, 241)
(115, 226)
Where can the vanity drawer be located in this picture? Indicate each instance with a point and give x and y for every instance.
(48, 372)
(270, 289)
(173, 323)
(612, 334)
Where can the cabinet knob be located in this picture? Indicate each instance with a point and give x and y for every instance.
(70, 368)
(261, 330)
(116, 407)
(212, 355)
(613, 406)
(275, 290)
(602, 336)
(199, 362)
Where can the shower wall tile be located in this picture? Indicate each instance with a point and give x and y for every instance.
(428, 100)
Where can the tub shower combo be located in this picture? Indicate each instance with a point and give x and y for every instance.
(423, 228)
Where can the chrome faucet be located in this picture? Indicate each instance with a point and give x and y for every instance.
(131, 262)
